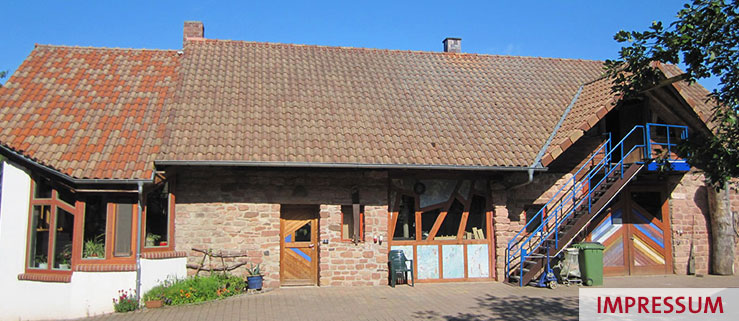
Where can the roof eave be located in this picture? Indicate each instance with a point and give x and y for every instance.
(342, 165)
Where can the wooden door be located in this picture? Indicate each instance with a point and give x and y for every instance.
(299, 245)
(649, 232)
(610, 230)
(635, 231)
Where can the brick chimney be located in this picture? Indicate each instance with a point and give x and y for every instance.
(193, 29)
(453, 45)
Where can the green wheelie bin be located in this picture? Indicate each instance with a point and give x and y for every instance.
(591, 262)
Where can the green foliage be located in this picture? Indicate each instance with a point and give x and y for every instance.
(3, 73)
(705, 37)
(126, 301)
(94, 247)
(196, 289)
(254, 270)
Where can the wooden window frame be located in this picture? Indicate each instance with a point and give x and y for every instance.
(111, 203)
(361, 224)
(54, 202)
(171, 228)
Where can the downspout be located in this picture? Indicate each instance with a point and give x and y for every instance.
(138, 242)
(537, 160)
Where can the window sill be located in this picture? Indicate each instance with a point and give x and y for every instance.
(44, 277)
(163, 255)
(115, 267)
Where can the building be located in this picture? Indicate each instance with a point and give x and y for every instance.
(316, 161)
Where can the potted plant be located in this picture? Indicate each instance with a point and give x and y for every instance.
(254, 278)
(40, 260)
(94, 248)
(65, 257)
(151, 239)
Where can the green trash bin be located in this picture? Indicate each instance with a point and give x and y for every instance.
(591, 262)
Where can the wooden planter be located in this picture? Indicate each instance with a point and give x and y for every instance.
(153, 304)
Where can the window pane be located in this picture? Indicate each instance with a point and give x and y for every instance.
(476, 227)
(405, 226)
(63, 239)
(66, 196)
(157, 217)
(428, 219)
(43, 189)
(347, 222)
(123, 229)
(94, 229)
(39, 241)
(303, 233)
(450, 225)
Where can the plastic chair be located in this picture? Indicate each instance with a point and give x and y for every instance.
(398, 267)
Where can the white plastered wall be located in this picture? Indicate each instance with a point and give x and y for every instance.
(88, 293)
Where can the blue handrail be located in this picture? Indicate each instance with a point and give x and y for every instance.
(575, 191)
(562, 213)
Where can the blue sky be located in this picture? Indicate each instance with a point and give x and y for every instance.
(566, 28)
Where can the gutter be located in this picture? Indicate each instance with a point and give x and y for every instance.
(340, 165)
(537, 161)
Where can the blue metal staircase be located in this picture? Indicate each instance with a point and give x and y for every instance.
(608, 170)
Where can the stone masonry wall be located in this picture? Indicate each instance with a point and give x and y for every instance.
(509, 210)
(346, 263)
(237, 211)
(690, 216)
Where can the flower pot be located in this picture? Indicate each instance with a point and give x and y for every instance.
(64, 266)
(43, 266)
(254, 282)
(153, 304)
(163, 243)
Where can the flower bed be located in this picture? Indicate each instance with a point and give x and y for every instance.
(196, 289)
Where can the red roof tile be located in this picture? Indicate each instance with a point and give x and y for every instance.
(89, 112)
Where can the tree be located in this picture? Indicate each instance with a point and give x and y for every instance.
(705, 38)
(2, 75)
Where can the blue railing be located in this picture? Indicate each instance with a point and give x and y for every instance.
(568, 198)
(661, 142)
(578, 190)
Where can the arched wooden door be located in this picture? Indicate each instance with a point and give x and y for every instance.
(298, 245)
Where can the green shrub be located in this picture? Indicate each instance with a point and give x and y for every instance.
(196, 289)
(126, 301)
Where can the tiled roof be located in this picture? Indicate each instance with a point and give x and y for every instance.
(110, 113)
(694, 94)
(593, 103)
(597, 99)
(89, 112)
(264, 102)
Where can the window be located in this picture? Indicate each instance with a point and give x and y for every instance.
(532, 220)
(450, 226)
(347, 223)
(476, 229)
(108, 228)
(95, 224)
(51, 228)
(405, 226)
(158, 220)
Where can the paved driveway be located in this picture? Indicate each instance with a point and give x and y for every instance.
(446, 301)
